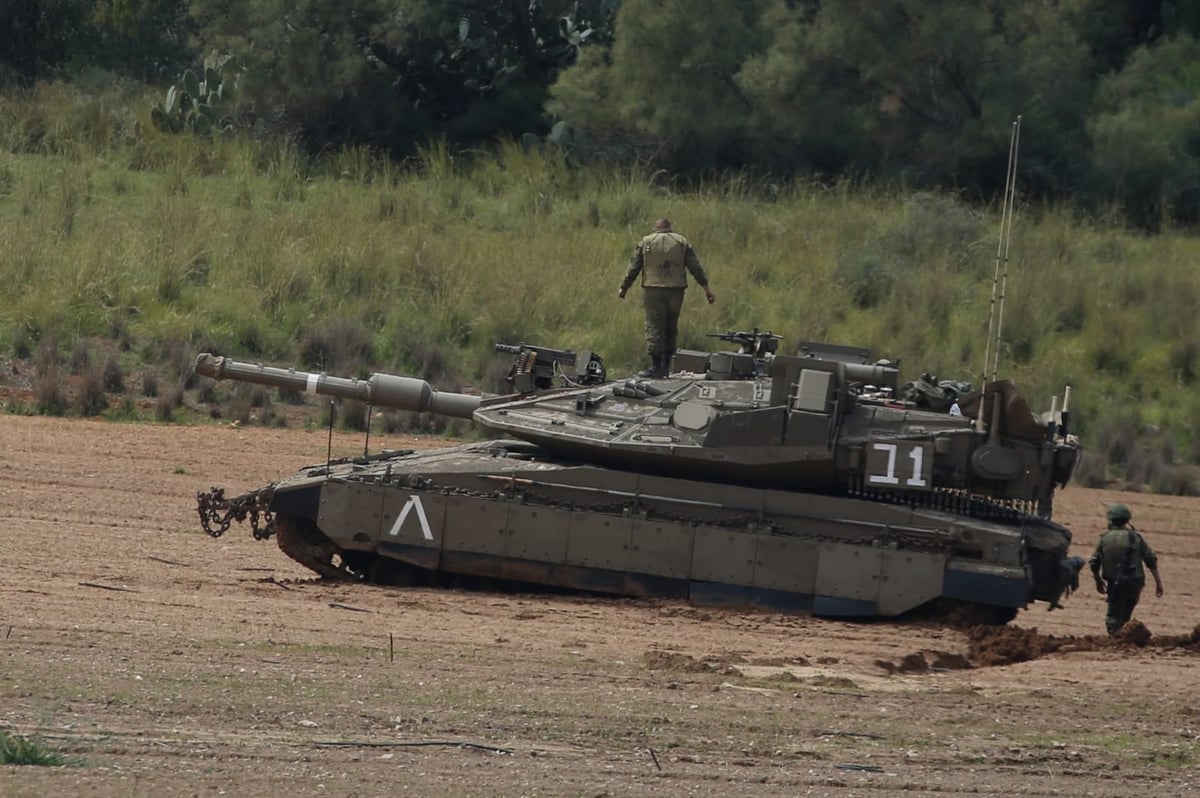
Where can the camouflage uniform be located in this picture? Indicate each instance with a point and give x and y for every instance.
(1122, 572)
(663, 258)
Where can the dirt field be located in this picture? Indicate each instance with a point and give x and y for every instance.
(169, 663)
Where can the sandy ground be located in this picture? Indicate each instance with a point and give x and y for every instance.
(165, 662)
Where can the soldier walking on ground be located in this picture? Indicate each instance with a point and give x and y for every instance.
(1117, 566)
(663, 258)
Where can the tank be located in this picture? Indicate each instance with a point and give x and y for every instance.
(812, 482)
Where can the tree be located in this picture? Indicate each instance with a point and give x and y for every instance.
(930, 87)
(146, 39)
(388, 72)
(42, 39)
(922, 89)
(1145, 133)
(669, 85)
(37, 36)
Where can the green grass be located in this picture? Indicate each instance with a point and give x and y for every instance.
(1121, 747)
(16, 749)
(155, 247)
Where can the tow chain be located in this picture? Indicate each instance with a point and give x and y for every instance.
(217, 513)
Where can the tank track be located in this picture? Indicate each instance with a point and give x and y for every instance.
(300, 539)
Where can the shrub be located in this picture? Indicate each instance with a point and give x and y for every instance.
(111, 377)
(126, 410)
(1091, 471)
(354, 415)
(289, 396)
(239, 407)
(81, 357)
(206, 391)
(429, 361)
(91, 400)
(338, 347)
(175, 355)
(16, 749)
(1183, 360)
(936, 222)
(22, 348)
(17, 408)
(866, 276)
(247, 396)
(1143, 467)
(47, 357)
(325, 418)
(407, 422)
(48, 394)
(164, 408)
(1177, 481)
(119, 331)
(1117, 439)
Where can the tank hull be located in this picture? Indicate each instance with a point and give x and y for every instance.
(505, 511)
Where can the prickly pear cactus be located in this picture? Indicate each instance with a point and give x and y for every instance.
(197, 103)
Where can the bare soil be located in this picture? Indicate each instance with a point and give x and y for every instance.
(165, 662)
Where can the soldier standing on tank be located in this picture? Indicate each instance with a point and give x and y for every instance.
(1117, 566)
(663, 258)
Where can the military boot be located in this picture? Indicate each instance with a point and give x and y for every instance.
(652, 371)
(662, 365)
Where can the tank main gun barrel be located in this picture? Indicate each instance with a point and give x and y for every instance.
(380, 390)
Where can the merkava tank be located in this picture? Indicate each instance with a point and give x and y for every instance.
(812, 482)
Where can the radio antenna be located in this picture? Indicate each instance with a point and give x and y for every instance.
(1000, 277)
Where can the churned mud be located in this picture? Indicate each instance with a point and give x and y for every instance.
(989, 646)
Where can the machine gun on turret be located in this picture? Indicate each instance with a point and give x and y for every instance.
(758, 344)
(537, 367)
(755, 351)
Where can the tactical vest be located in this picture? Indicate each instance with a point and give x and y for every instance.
(1122, 555)
(663, 255)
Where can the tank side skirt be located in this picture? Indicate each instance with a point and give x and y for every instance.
(516, 537)
(727, 554)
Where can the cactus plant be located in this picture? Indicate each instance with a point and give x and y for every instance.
(196, 105)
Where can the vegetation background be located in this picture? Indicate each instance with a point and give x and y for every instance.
(396, 185)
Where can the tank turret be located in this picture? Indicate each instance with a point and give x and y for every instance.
(747, 476)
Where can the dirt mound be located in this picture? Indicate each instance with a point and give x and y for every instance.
(780, 662)
(674, 661)
(1189, 642)
(675, 610)
(943, 612)
(925, 661)
(833, 682)
(989, 646)
(1133, 633)
(1004, 645)
(685, 663)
